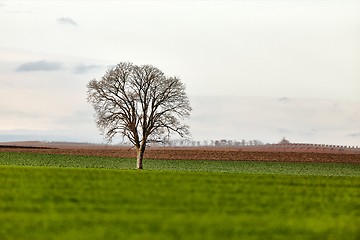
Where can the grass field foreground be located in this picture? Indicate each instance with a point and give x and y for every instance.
(66, 203)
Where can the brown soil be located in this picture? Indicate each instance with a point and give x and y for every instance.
(261, 153)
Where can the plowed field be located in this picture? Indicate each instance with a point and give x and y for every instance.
(194, 153)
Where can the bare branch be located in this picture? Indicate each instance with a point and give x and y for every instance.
(139, 103)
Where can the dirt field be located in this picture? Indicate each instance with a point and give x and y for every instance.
(288, 153)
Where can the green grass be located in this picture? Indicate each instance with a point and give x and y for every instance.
(69, 203)
(55, 197)
(317, 169)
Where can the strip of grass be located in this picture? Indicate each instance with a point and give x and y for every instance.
(67, 203)
(319, 169)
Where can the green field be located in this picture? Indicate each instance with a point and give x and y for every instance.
(51, 160)
(71, 202)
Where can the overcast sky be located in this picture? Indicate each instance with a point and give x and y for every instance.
(253, 69)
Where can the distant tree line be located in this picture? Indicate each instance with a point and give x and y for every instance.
(214, 143)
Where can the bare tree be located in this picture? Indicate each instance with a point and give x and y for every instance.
(139, 103)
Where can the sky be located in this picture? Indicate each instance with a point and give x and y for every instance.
(253, 69)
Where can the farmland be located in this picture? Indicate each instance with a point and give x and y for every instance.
(46, 194)
(274, 153)
(59, 203)
(225, 166)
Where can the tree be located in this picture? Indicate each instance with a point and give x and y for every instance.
(139, 103)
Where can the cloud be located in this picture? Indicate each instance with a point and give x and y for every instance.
(42, 65)
(17, 114)
(66, 20)
(45, 65)
(297, 132)
(41, 135)
(355, 135)
(284, 99)
(20, 135)
(270, 119)
(83, 68)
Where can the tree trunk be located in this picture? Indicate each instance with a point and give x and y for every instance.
(139, 157)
